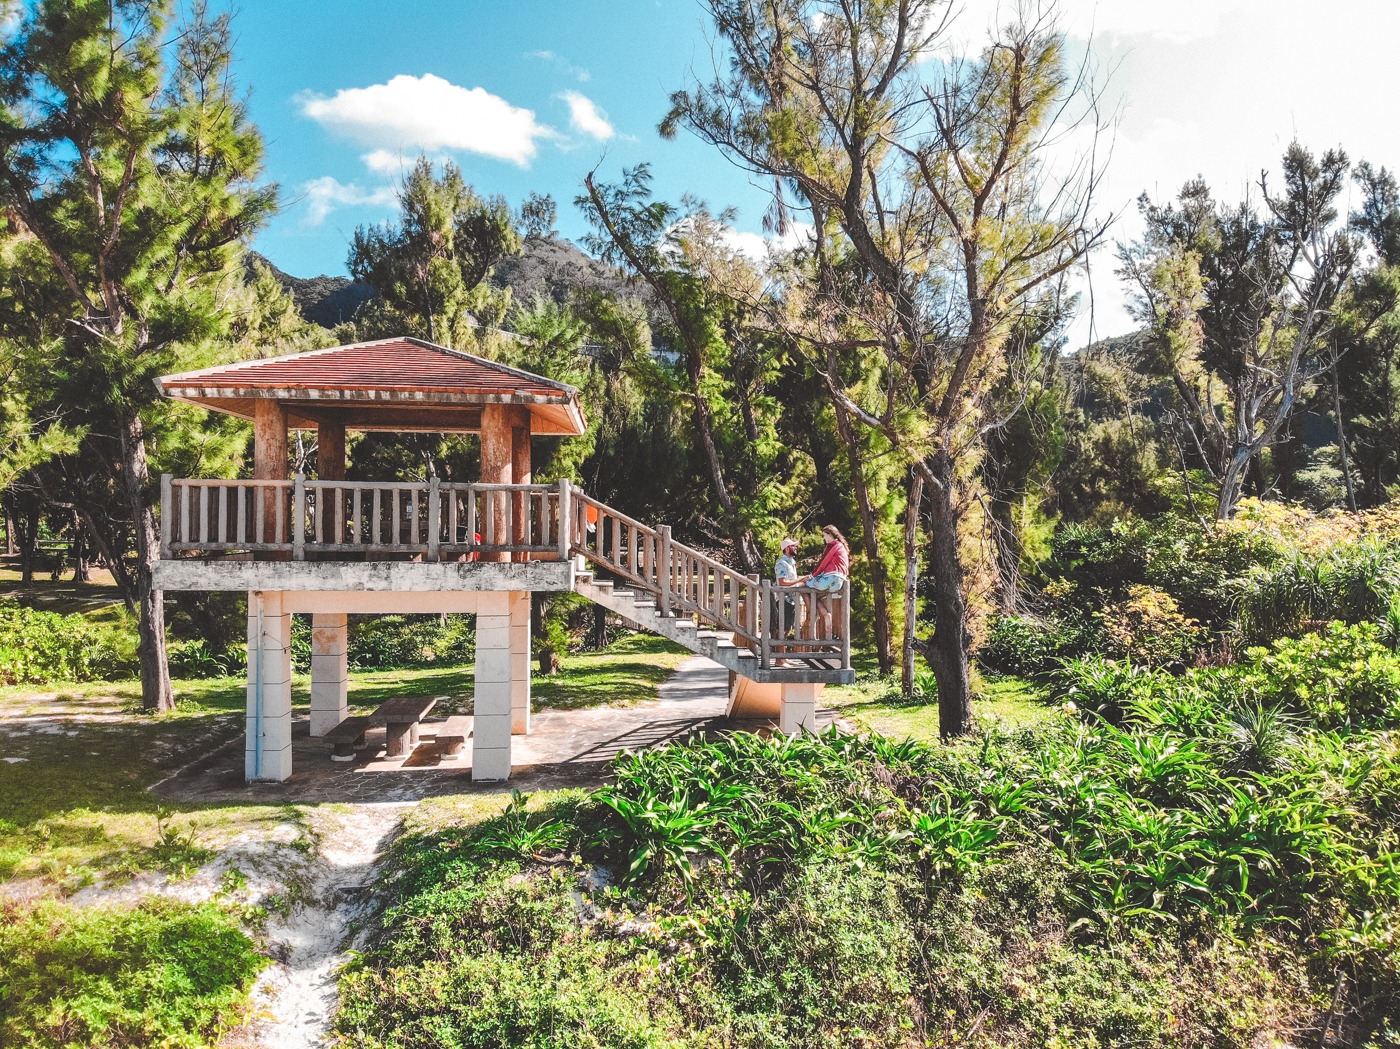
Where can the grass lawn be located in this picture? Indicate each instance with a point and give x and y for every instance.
(875, 705)
(75, 760)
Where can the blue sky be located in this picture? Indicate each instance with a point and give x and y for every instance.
(524, 97)
(531, 95)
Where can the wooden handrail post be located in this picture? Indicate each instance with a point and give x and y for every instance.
(299, 517)
(751, 620)
(663, 573)
(434, 519)
(566, 530)
(765, 646)
(846, 625)
(167, 513)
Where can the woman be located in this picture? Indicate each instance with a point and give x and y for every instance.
(830, 575)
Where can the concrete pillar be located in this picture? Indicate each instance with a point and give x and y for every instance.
(268, 746)
(799, 708)
(330, 703)
(519, 604)
(492, 707)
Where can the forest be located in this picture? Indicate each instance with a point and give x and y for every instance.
(1181, 547)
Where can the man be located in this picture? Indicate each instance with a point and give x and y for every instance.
(782, 616)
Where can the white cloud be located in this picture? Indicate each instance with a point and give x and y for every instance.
(756, 247)
(327, 193)
(586, 117)
(11, 17)
(559, 61)
(429, 113)
(385, 161)
(1176, 22)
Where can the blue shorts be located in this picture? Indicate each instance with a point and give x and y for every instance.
(828, 582)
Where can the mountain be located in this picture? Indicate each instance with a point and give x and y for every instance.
(550, 266)
(323, 300)
(547, 267)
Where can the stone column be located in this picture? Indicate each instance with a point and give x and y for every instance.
(799, 709)
(330, 704)
(519, 604)
(268, 746)
(492, 721)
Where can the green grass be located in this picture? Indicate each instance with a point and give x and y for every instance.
(876, 705)
(75, 808)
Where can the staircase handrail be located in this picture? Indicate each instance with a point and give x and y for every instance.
(720, 596)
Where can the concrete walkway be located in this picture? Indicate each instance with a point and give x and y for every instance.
(566, 748)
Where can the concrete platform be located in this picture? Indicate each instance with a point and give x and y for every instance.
(565, 748)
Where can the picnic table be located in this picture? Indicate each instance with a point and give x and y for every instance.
(400, 717)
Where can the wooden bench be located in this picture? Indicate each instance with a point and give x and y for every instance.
(400, 717)
(452, 735)
(348, 737)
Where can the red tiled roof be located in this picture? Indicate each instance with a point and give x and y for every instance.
(388, 364)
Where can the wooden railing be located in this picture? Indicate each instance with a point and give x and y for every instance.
(776, 623)
(431, 520)
(319, 520)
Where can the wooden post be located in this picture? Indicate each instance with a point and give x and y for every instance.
(751, 623)
(765, 646)
(330, 466)
(270, 462)
(299, 517)
(521, 534)
(167, 512)
(566, 530)
(663, 573)
(497, 467)
(434, 519)
(846, 625)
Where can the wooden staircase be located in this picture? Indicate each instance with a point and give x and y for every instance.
(750, 626)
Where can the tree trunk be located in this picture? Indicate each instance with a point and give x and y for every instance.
(1342, 440)
(28, 521)
(156, 693)
(879, 576)
(80, 551)
(946, 651)
(1232, 483)
(911, 580)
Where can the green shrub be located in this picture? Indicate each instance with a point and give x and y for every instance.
(1148, 628)
(1033, 646)
(160, 974)
(487, 957)
(1340, 677)
(1080, 886)
(39, 647)
(199, 659)
(825, 961)
(393, 642)
(1355, 582)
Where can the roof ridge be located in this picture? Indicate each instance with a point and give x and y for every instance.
(519, 373)
(258, 361)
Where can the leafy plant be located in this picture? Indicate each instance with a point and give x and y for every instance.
(159, 974)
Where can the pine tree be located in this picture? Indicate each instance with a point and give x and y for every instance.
(130, 160)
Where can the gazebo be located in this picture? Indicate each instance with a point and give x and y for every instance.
(331, 547)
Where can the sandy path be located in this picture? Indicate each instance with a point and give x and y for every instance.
(297, 995)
